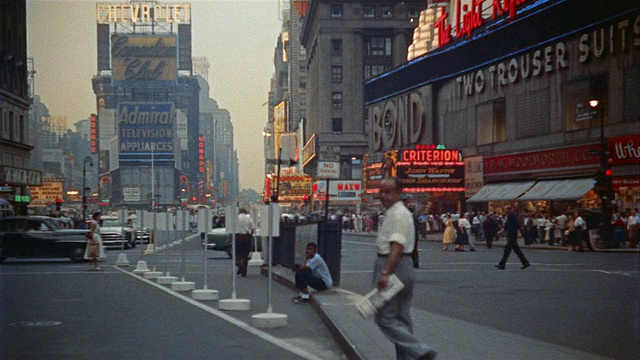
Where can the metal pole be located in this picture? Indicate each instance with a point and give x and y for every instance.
(605, 230)
(326, 203)
(233, 248)
(84, 193)
(269, 307)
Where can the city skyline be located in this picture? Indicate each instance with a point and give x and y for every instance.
(239, 76)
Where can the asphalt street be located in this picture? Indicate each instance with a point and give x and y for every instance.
(55, 309)
(585, 301)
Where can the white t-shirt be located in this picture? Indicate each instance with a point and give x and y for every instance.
(244, 225)
(397, 227)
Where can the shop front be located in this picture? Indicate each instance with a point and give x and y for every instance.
(431, 175)
(547, 182)
(624, 157)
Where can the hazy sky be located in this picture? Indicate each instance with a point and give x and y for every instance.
(238, 37)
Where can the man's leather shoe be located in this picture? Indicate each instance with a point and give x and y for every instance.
(501, 267)
(525, 266)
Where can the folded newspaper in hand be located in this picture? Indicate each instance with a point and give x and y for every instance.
(376, 299)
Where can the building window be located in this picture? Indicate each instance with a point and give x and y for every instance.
(303, 82)
(303, 99)
(336, 100)
(336, 11)
(413, 13)
(491, 121)
(369, 11)
(387, 12)
(374, 70)
(336, 124)
(303, 114)
(336, 74)
(303, 68)
(336, 47)
(378, 46)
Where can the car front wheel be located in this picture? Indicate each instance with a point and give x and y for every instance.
(77, 255)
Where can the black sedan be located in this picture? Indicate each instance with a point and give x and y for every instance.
(39, 236)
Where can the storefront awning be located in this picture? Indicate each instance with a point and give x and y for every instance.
(570, 189)
(501, 192)
(540, 189)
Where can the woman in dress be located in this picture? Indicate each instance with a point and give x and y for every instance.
(94, 250)
(449, 232)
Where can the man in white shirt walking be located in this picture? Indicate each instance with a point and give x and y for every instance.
(395, 243)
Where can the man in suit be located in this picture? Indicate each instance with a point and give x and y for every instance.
(512, 226)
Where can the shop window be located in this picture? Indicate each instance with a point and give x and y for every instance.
(336, 74)
(369, 11)
(336, 100)
(577, 112)
(336, 47)
(336, 124)
(336, 11)
(491, 119)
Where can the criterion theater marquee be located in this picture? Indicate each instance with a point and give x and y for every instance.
(143, 13)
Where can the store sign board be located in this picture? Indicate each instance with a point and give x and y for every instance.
(625, 150)
(473, 175)
(294, 188)
(17, 176)
(536, 161)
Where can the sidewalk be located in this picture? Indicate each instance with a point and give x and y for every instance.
(361, 339)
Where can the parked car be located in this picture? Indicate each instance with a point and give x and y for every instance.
(116, 234)
(39, 236)
(218, 240)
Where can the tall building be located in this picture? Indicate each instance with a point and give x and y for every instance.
(221, 167)
(147, 105)
(538, 111)
(16, 173)
(348, 43)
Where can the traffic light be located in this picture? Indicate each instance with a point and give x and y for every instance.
(58, 204)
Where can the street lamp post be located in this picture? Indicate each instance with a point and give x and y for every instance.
(89, 160)
(605, 208)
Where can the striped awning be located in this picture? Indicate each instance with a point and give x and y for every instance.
(501, 192)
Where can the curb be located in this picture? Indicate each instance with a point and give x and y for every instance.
(349, 348)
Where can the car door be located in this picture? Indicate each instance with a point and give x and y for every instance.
(41, 239)
(13, 232)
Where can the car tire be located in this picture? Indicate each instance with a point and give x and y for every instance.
(77, 255)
